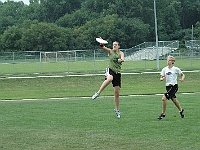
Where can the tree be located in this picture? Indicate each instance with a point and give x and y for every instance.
(169, 24)
(55, 9)
(46, 37)
(10, 14)
(132, 20)
(190, 12)
(35, 11)
(111, 27)
(197, 31)
(11, 39)
(76, 19)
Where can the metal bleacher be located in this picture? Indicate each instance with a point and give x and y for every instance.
(148, 50)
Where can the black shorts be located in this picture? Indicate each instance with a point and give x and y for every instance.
(171, 91)
(116, 77)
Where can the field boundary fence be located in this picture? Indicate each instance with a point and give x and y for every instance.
(140, 57)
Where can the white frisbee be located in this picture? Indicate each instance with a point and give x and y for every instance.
(102, 41)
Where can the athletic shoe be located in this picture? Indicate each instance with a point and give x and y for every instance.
(161, 116)
(95, 96)
(182, 113)
(117, 113)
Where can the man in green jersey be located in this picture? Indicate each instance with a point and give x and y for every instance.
(113, 73)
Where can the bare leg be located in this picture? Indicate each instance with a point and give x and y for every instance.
(164, 104)
(105, 83)
(116, 94)
(175, 101)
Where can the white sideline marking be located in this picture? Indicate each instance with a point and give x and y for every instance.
(81, 75)
(50, 76)
(159, 94)
(84, 97)
(78, 75)
(29, 99)
(188, 93)
(18, 100)
(67, 98)
(58, 98)
(150, 72)
(132, 73)
(139, 95)
(192, 71)
(21, 77)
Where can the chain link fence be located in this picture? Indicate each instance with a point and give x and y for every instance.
(140, 57)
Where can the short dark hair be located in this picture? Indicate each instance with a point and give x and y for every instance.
(117, 42)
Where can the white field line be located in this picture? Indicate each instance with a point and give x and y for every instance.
(20, 77)
(78, 98)
(83, 75)
(83, 97)
(49, 76)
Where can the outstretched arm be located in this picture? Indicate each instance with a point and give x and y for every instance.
(108, 50)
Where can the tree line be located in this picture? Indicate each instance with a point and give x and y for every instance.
(52, 25)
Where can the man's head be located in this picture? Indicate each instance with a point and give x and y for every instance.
(116, 45)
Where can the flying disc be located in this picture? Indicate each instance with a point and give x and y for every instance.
(102, 41)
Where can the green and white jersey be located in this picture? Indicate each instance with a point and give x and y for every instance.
(113, 61)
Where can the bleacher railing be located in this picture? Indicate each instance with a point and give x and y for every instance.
(148, 50)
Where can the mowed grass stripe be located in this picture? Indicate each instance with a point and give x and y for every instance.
(134, 84)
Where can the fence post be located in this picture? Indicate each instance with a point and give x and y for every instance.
(40, 62)
(94, 61)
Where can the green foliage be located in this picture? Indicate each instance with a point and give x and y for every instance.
(32, 35)
(11, 38)
(197, 31)
(131, 22)
(10, 14)
(170, 24)
(112, 27)
(76, 19)
(190, 13)
(46, 37)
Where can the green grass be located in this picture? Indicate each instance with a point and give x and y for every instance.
(86, 86)
(86, 124)
(92, 67)
(76, 123)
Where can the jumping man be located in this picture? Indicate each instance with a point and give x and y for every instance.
(113, 73)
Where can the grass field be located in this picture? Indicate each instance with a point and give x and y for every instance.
(76, 86)
(86, 124)
(91, 66)
(75, 123)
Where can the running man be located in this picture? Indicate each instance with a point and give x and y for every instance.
(170, 74)
(113, 73)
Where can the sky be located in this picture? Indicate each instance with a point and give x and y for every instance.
(25, 1)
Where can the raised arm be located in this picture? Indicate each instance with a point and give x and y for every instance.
(106, 49)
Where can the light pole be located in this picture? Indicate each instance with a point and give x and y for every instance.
(156, 32)
(192, 32)
(191, 52)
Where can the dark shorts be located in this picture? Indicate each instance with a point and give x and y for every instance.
(171, 91)
(116, 77)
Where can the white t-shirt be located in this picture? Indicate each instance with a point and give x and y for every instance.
(171, 75)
